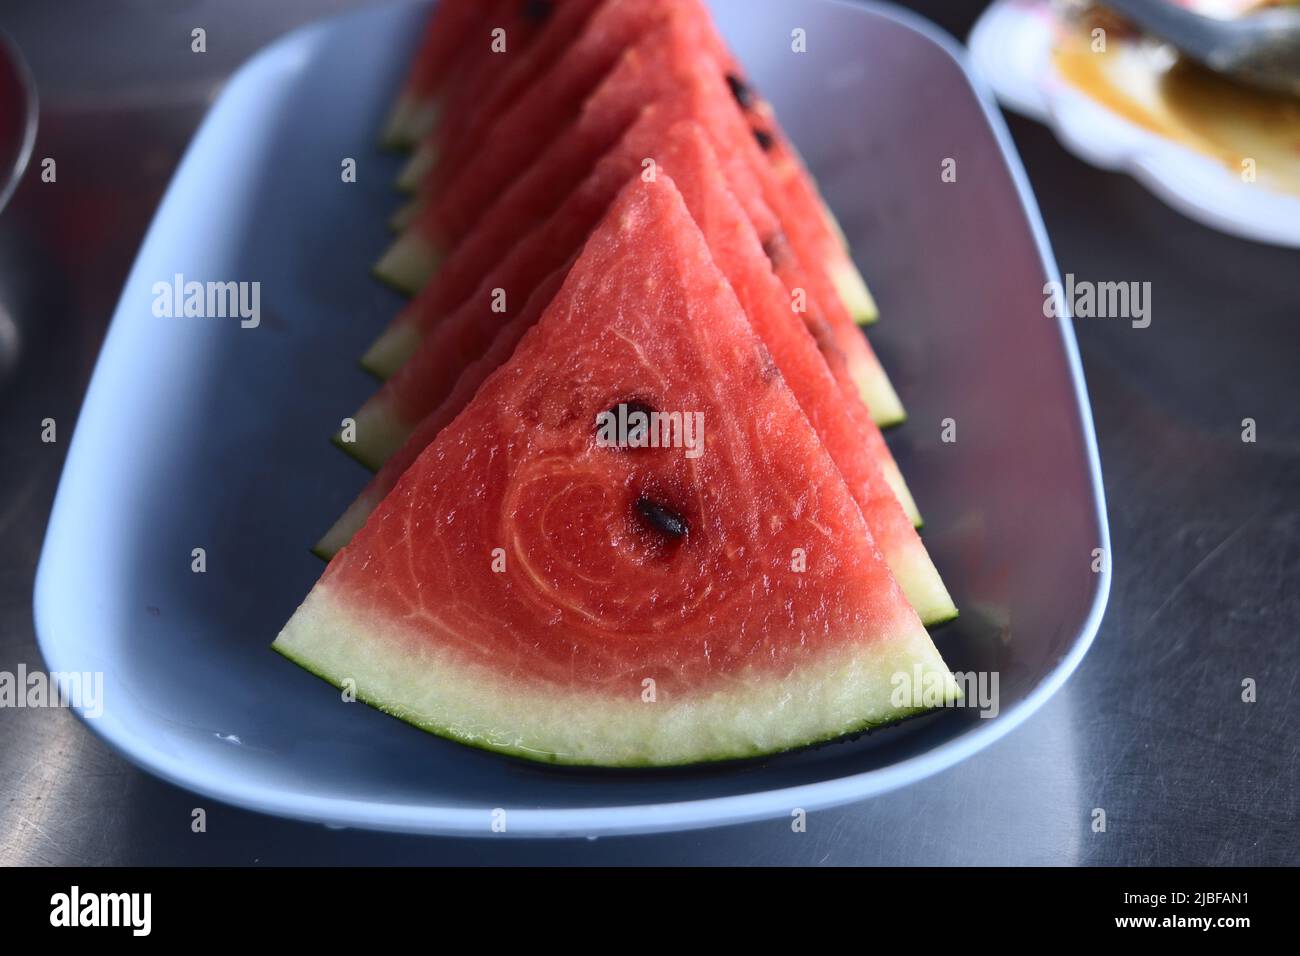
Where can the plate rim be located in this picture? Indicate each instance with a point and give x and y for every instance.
(626, 819)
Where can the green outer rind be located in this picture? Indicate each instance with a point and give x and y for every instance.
(377, 700)
(940, 621)
(344, 446)
(890, 421)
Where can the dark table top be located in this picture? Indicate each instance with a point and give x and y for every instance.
(1152, 728)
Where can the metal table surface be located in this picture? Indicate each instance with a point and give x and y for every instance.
(1152, 728)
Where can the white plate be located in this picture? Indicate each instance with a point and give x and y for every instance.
(1011, 49)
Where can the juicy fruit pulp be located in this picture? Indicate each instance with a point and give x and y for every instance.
(597, 599)
(681, 150)
(665, 67)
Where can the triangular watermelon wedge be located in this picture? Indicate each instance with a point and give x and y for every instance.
(665, 69)
(528, 590)
(505, 38)
(824, 235)
(855, 444)
(456, 196)
(444, 44)
(522, 132)
(463, 124)
(386, 420)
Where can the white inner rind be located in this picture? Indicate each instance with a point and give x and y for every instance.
(402, 219)
(391, 350)
(842, 690)
(878, 394)
(853, 290)
(349, 523)
(395, 129)
(409, 262)
(423, 119)
(411, 119)
(921, 584)
(894, 478)
(417, 167)
(379, 434)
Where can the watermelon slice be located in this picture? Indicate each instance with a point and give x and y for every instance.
(664, 68)
(468, 120)
(646, 608)
(513, 23)
(461, 394)
(611, 26)
(839, 419)
(386, 420)
(445, 39)
(824, 235)
(524, 130)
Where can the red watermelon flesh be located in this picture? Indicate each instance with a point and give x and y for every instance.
(385, 425)
(527, 125)
(462, 393)
(465, 122)
(533, 197)
(483, 63)
(387, 419)
(824, 237)
(446, 36)
(523, 588)
(827, 245)
(664, 67)
(523, 132)
(448, 344)
(540, 189)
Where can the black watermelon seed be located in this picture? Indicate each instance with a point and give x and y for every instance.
(537, 11)
(822, 335)
(662, 519)
(633, 405)
(741, 91)
(765, 139)
(775, 247)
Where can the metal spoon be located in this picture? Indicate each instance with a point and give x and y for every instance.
(1261, 49)
(17, 116)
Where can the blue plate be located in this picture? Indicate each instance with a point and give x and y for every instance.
(199, 433)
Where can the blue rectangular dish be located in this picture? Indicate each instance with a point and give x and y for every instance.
(203, 433)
